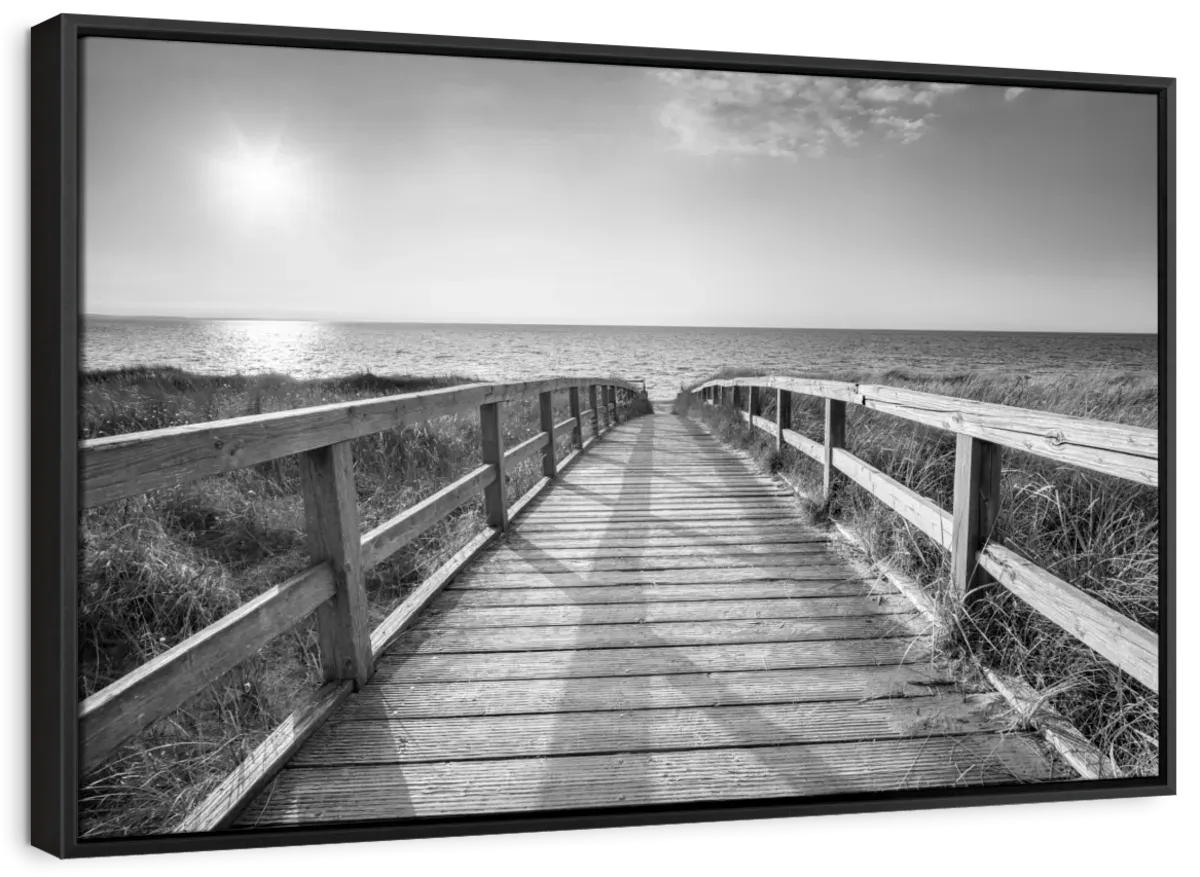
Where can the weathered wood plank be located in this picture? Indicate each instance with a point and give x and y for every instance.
(641, 594)
(449, 613)
(924, 514)
(491, 437)
(576, 416)
(652, 660)
(598, 548)
(125, 465)
(1125, 451)
(418, 640)
(222, 805)
(546, 421)
(332, 535)
(1122, 640)
(390, 537)
(796, 555)
(976, 508)
(525, 449)
(513, 785)
(400, 699)
(164, 683)
(835, 438)
(829, 573)
(412, 741)
(842, 390)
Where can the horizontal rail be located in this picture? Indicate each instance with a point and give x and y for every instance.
(562, 427)
(390, 537)
(1121, 640)
(1127, 644)
(119, 466)
(163, 684)
(525, 449)
(1129, 452)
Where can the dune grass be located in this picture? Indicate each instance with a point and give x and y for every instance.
(157, 568)
(1097, 532)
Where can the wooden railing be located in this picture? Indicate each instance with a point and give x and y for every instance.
(983, 429)
(333, 587)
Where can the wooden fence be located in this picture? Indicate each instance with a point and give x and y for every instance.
(333, 588)
(983, 429)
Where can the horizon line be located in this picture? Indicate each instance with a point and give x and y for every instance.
(384, 322)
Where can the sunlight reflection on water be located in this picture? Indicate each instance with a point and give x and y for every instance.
(664, 357)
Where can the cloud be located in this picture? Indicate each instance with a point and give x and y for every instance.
(1014, 93)
(784, 116)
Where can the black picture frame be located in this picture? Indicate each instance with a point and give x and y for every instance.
(55, 264)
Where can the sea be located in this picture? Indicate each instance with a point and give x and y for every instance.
(664, 357)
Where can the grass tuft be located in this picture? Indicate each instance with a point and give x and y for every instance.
(157, 568)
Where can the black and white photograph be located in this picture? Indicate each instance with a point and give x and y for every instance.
(466, 437)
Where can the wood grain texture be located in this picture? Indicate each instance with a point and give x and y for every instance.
(119, 466)
(976, 509)
(1122, 640)
(924, 514)
(332, 534)
(411, 741)
(576, 416)
(117, 712)
(525, 449)
(491, 438)
(546, 424)
(370, 793)
(402, 700)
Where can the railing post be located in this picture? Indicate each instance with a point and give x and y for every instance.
(976, 507)
(549, 466)
(835, 437)
(332, 531)
(612, 396)
(754, 404)
(783, 415)
(577, 431)
(595, 411)
(495, 499)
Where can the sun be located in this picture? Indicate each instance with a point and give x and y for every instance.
(259, 182)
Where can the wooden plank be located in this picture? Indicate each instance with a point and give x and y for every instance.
(799, 555)
(576, 416)
(602, 548)
(783, 416)
(546, 418)
(222, 806)
(976, 508)
(580, 596)
(532, 528)
(563, 427)
(924, 514)
(389, 537)
(371, 793)
(828, 573)
(412, 741)
(117, 712)
(399, 699)
(332, 535)
(1125, 451)
(115, 467)
(1131, 647)
(835, 438)
(525, 449)
(612, 636)
(447, 614)
(491, 437)
(595, 406)
(651, 661)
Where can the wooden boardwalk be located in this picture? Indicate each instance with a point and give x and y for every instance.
(660, 627)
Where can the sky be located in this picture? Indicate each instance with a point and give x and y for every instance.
(262, 182)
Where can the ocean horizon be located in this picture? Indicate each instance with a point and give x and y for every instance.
(665, 357)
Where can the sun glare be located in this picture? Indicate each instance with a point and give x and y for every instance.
(259, 182)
